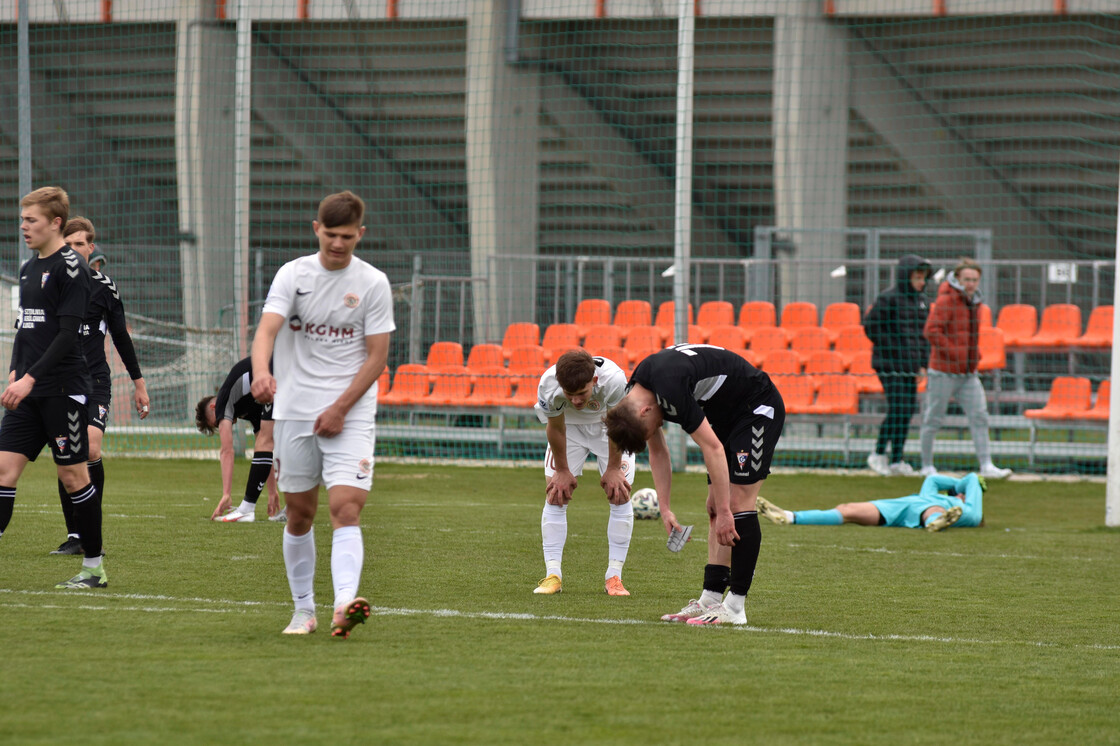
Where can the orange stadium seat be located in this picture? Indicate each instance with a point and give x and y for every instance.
(805, 340)
(714, 313)
(798, 314)
(1098, 331)
(451, 386)
(492, 387)
(525, 390)
(993, 352)
(520, 334)
(641, 342)
(1018, 322)
(768, 339)
(824, 362)
(838, 316)
(729, 337)
(836, 394)
(410, 385)
(591, 311)
(757, 314)
(985, 315)
(443, 354)
(1060, 325)
(558, 339)
(1070, 398)
(867, 380)
(850, 341)
(527, 359)
(666, 319)
(602, 335)
(485, 355)
(797, 392)
(616, 355)
(633, 313)
(782, 363)
(1100, 406)
(384, 381)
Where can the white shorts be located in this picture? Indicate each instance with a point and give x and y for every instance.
(585, 439)
(305, 460)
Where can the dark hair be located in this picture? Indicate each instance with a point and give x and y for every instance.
(52, 200)
(343, 208)
(574, 369)
(625, 428)
(78, 223)
(200, 419)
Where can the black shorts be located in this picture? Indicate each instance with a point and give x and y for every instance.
(99, 405)
(255, 419)
(749, 438)
(57, 421)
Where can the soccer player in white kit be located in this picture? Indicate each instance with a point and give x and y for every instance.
(573, 396)
(326, 326)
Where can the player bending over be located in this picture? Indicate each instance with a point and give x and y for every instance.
(573, 396)
(942, 502)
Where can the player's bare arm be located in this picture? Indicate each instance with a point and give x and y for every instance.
(17, 391)
(140, 397)
(562, 483)
(225, 459)
(263, 387)
(613, 480)
(719, 492)
(661, 465)
(331, 421)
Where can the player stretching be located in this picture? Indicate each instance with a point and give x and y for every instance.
(325, 325)
(105, 314)
(48, 383)
(574, 395)
(735, 414)
(235, 401)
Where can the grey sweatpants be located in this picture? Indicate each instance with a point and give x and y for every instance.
(969, 393)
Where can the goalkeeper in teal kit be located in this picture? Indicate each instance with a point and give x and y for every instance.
(942, 502)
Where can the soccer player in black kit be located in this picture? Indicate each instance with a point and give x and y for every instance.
(104, 314)
(48, 381)
(735, 414)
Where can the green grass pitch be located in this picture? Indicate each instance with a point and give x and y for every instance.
(1005, 634)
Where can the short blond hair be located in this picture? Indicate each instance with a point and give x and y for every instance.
(77, 224)
(52, 200)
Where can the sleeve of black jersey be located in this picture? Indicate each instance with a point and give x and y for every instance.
(122, 340)
(64, 341)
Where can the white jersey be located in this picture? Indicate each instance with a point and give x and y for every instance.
(605, 394)
(329, 314)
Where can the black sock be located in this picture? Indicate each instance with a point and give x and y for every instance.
(67, 510)
(716, 578)
(7, 502)
(258, 475)
(744, 555)
(87, 516)
(97, 476)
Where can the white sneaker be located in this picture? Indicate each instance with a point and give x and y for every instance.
(720, 614)
(902, 469)
(928, 471)
(691, 611)
(771, 512)
(944, 520)
(991, 471)
(281, 517)
(237, 517)
(877, 462)
(303, 623)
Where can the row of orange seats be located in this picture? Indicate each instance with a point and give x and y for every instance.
(1070, 398)
(457, 386)
(1060, 326)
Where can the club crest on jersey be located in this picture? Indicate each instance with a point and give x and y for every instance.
(350, 300)
(43, 280)
(101, 411)
(295, 323)
(61, 441)
(741, 457)
(364, 466)
(593, 405)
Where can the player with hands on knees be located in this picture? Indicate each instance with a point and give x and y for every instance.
(735, 415)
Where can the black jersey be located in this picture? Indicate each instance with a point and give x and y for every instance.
(50, 288)
(105, 314)
(234, 402)
(693, 381)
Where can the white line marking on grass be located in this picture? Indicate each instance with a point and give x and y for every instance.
(885, 550)
(238, 606)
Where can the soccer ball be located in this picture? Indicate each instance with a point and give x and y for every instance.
(645, 503)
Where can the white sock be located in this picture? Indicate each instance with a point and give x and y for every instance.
(246, 507)
(620, 526)
(710, 598)
(347, 553)
(789, 515)
(554, 533)
(299, 561)
(91, 563)
(734, 602)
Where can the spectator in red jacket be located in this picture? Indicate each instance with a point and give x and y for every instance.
(953, 331)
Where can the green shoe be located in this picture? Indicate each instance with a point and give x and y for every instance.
(983, 483)
(89, 577)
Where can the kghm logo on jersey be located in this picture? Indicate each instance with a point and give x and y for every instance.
(350, 300)
(43, 280)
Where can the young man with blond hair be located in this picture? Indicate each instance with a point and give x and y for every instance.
(49, 383)
(325, 326)
(105, 314)
(572, 398)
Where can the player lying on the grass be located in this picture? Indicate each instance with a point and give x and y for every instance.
(573, 396)
(735, 414)
(942, 502)
(233, 402)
